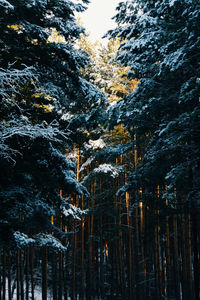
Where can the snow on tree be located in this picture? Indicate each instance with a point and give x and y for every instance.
(41, 82)
(160, 46)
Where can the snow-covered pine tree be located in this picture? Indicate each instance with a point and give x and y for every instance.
(46, 107)
(161, 47)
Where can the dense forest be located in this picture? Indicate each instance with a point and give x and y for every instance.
(99, 152)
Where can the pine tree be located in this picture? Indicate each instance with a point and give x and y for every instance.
(161, 50)
(46, 107)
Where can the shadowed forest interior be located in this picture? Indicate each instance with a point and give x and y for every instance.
(99, 152)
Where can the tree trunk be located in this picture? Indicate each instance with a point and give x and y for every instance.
(27, 274)
(18, 276)
(60, 286)
(9, 277)
(4, 276)
(44, 273)
(82, 252)
(21, 268)
(0, 274)
(54, 276)
(168, 260)
(32, 271)
(184, 263)
(196, 247)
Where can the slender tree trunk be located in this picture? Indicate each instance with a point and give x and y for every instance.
(184, 261)
(31, 272)
(27, 274)
(66, 292)
(18, 276)
(82, 252)
(196, 247)
(0, 274)
(74, 260)
(54, 276)
(121, 261)
(137, 257)
(168, 259)
(60, 287)
(176, 258)
(44, 273)
(74, 292)
(189, 257)
(4, 276)
(91, 267)
(157, 257)
(60, 281)
(9, 277)
(142, 238)
(102, 280)
(21, 264)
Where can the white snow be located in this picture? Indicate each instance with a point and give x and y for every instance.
(87, 163)
(67, 117)
(73, 211)
(6, 4)
(22, 240)
(108, 168)
(96, 144)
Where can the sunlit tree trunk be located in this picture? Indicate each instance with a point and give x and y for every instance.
(137, 255)
(60, 276)
(91, 267)
(157, 250)
(74, 292)
(120, 244)
(54, 267)
(142, 238)
(82, 251)
(102, 279)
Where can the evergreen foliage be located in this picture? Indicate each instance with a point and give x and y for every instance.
(40, 82)
(161, 47)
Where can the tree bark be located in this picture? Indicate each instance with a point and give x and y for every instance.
(32, 271)
(196, 247)
(44, 273)
(9, 276)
